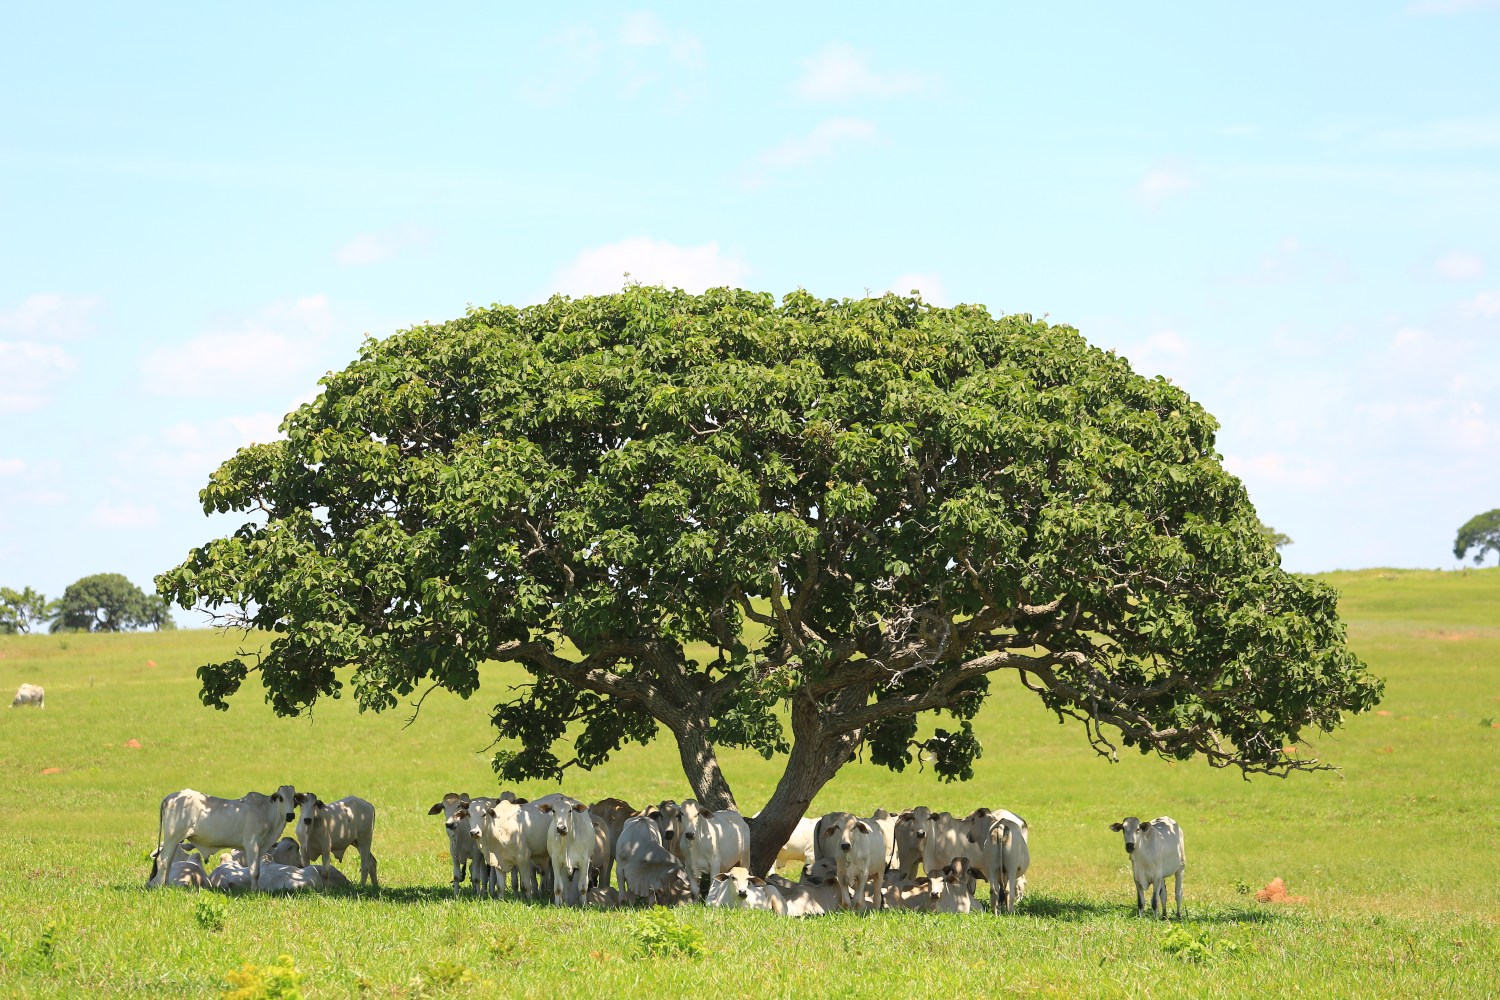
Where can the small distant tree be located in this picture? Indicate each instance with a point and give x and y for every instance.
(1278, 539)
(1481, 533)
(108, 602)
(21, 609)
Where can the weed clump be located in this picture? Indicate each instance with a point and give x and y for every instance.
(279, 981)
(661, 935)
(1200, 949)
(209, 912)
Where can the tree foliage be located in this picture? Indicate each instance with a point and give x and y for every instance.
(1481, 533)
(687, 510)
(20, 610)
(108, 602)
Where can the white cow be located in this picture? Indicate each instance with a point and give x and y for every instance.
(288, 878)
(570, 845)
(504, 832)
(30, 694)
(462, 849)
(231, 876)
(798, 848)
(1156, 851)
(652, 874)
(332, 828)
(737, 889)
(188, 871)
(1002, 852)
(860, 856)
(638, 833)
(947, 892)
(252, 823)
(816, 893)
(713, 841)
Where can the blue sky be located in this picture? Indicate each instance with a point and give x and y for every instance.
(1292, 210)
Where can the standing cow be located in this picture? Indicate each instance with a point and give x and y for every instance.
(252, 823)
(332, 828)
(713, 841)
(1156, 851)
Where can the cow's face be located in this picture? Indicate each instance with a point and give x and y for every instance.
(669, 818)
(820, 872)
(449, 807)
(1132, 828)
(851, 828)
(285, 798)
(913, 822)
(694, 819)
(307, 810)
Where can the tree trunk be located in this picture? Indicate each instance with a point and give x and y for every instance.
(701, 766)
(816, 757)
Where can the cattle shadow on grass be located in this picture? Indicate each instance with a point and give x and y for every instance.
(1078, 910)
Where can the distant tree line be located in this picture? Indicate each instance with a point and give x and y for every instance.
(104, 602)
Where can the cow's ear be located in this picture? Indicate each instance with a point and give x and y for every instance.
(299, 798)
(439, 808)
(545, 807)
(522, 802)
(321, 805)
(862, 826)
(1143, 827)
(490, 813)
(707, 814)
(579, 807)
(829, 832)
(757, 880)
(982, 811)
(970, 837)
(1117, 827)
(461, 814)
(721, 876)
(464, 796)
(804, 872)
(905, 814)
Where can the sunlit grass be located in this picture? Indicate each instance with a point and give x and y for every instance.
(1395, 856)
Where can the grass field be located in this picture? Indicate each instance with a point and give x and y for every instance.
(1397, 860)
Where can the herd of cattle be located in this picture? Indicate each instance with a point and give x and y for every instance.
(671, 853)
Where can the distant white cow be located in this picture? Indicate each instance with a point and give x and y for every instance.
(30, 694)
(1156, 851)
(713, 841)
(332, 828)
(737, 889)
(462, 849)
(252, 823)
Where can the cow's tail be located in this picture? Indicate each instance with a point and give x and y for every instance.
(161, 823)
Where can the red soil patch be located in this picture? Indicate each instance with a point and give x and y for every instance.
(1382, 712)
(1275, 892)
(132, 744)
(52, 770)
(1386, 750)
(151, 663)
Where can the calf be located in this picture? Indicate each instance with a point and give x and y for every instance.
(462, 850)
(1156, 851)
(230, 876)
(737, 889)
(570, 845)
(947, 891)
(252, 823)
(288, 878)
(910, 835)
(1003, 854)
(188, 871)
(860, 855)
(30, 694)
(332, 828)
(713, 841)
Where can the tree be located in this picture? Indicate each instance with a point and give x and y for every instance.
(685, 511)
(21, 609)
(108, 602)
(1277, 539)
(1480, 533)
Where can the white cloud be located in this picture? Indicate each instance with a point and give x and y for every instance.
(1458, 266)
(1291, 261)
(1161, 353)
(602, 270)
(840, 72)
(1485, 305)
(643, 29)
(29, 371)
(827, 138)
(49, 315)
(1450, 6)
(930, 285)
(124, 515)
(1167, 179)
(12, 466)
(277, 349)
(370, 248)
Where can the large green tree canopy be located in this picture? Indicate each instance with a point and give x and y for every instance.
(862, 509)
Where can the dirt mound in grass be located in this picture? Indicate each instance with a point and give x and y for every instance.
(1275, 892)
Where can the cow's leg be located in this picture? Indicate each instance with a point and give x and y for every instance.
(879, 881)
(1140, 899)
(1179, 893)
(166, 854)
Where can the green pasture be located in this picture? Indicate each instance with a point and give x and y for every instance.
(1394, 862)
